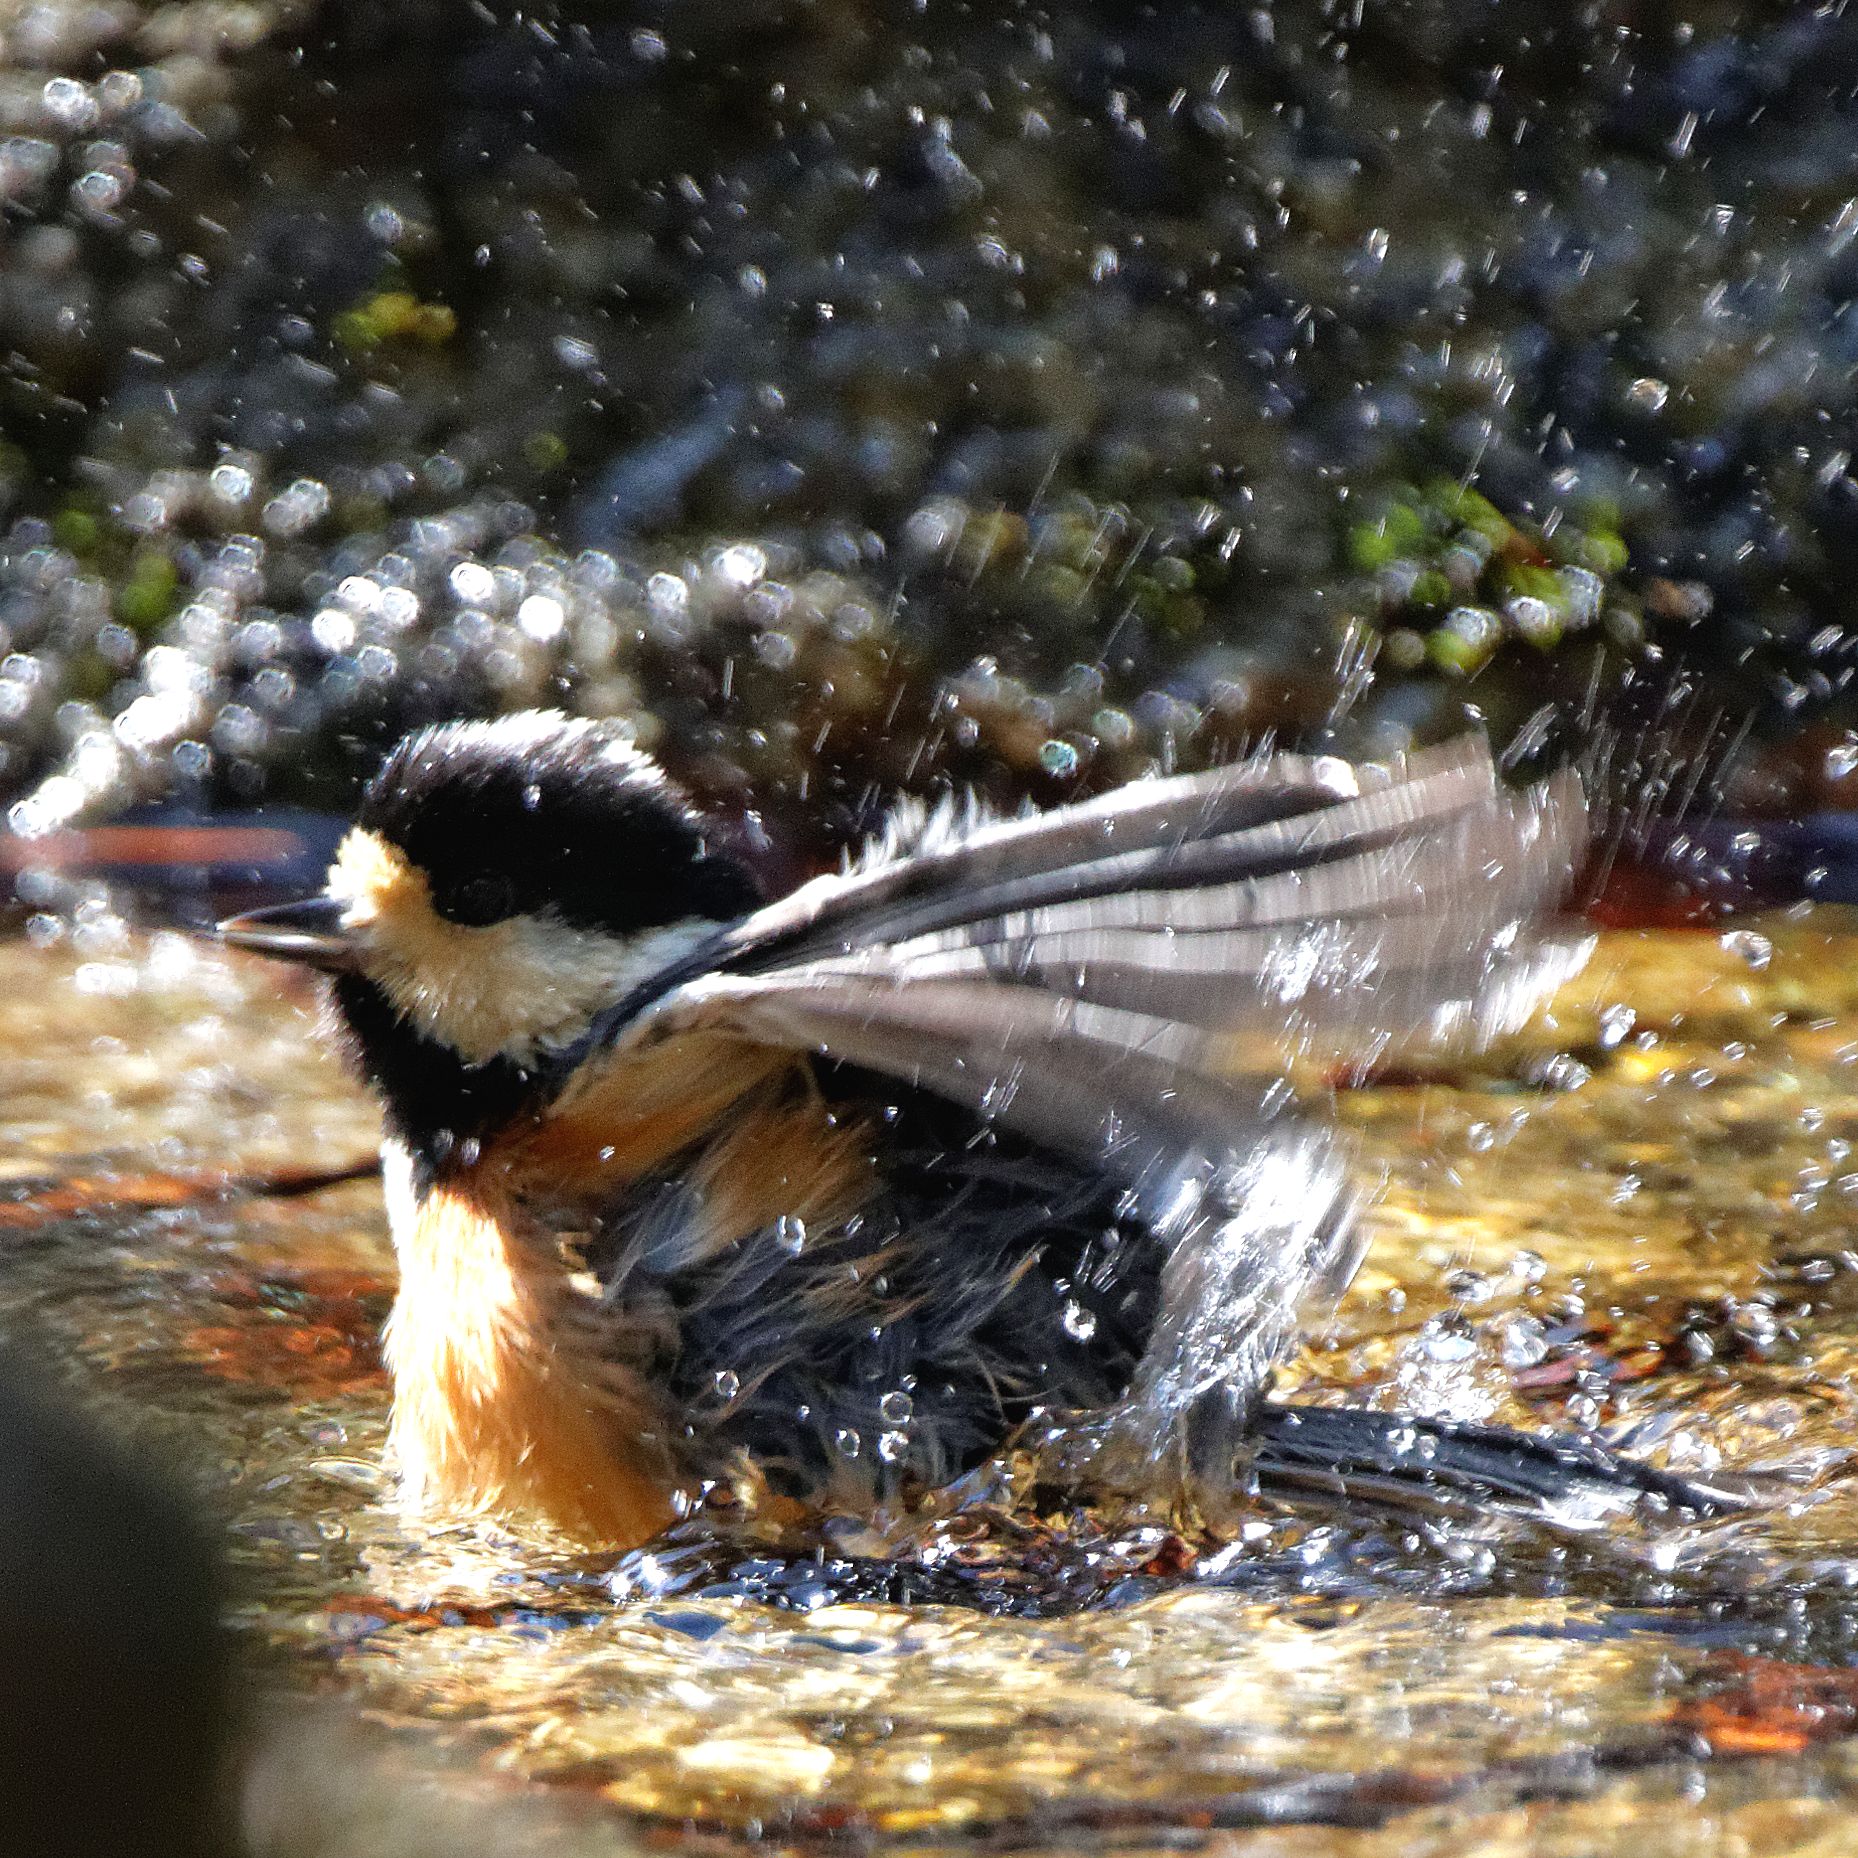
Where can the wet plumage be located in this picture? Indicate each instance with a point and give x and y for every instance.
(841, 1189)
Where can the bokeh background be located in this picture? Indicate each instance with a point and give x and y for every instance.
(861, 396)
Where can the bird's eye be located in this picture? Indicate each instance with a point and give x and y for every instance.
(477, 901)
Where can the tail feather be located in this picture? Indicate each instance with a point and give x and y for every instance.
(1398, 1459)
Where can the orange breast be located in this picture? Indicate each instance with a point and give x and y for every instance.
(508, 1398)
(503, 1403)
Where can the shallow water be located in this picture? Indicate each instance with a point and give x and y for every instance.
(1640, 1219)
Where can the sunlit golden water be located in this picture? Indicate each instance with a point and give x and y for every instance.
(1642, 1220)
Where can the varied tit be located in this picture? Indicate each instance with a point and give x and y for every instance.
(838, 1191)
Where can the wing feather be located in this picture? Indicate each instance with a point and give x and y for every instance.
(1395, 851)
(1136, 1092)
(1150, 962)
(1281, 814)
(1128, 981)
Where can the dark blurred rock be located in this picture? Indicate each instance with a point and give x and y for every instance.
(113, 1680)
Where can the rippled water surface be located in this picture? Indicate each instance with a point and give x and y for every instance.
(1640, 1221)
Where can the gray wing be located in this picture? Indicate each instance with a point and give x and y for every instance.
(1131, 978)
(1150, 834)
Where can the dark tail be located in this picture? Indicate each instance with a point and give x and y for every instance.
(1355, 1455)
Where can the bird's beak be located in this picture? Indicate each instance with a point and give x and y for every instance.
(309, 931)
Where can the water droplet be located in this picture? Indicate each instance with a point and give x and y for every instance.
(892, 1446)
(1525, 1342)
(1747, 946)
(728, 1383)
(472, 583)
(848, 1441)
(230, 482)
(541, 618)
(896, 1407)
(1616, 1025)
(1648, 395)
(69, 103)
(1469, 1286)
(742, 564)
(333, 630)
(1079, 1323)
(1444, 1339)
(1058, 758)
(790, 1233)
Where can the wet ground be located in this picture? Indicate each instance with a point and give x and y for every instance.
(1638, 1221)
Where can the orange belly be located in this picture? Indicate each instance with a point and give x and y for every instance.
(507, 1398)
(502, 1404)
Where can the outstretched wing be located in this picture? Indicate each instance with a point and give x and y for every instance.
(1131, 978)
(1129, 981)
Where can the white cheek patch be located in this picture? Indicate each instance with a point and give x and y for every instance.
(515, 989)
(527, 986)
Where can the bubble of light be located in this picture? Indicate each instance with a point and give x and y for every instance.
(473, 583)
(541, 617)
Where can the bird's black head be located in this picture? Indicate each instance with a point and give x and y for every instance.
(503, 882)
(541, 815)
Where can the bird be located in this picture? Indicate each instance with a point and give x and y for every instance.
(829, 1197)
